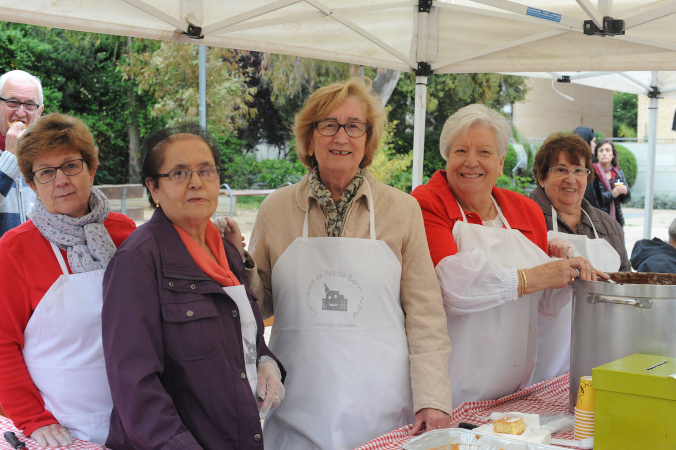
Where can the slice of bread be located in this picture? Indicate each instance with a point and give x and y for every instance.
(509, 425)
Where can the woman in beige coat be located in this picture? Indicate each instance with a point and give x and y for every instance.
(345, 269)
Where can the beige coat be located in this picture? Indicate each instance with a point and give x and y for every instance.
(399, 223)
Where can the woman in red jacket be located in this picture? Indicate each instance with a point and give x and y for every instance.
(53, 381)
(490, 249)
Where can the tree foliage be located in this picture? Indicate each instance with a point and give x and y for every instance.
(625, 114)
(445, 95)
(125, 88)
(169, 71)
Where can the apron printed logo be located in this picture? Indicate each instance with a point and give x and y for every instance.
(250, 357)
(334, 290)
(334, 300)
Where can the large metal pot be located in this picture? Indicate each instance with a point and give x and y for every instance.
(611, 321)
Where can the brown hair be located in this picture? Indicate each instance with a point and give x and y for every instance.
(155, 145)
(570, 144)
(55, 133)
(324, 100)
(614, 161)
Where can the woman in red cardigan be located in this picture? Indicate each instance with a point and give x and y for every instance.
(53, 382)
(490, 249)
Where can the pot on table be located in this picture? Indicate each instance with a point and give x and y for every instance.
(611, 321)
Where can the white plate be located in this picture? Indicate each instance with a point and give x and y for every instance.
(442, 440)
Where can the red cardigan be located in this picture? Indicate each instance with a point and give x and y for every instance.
(28, 269)
(440, 212)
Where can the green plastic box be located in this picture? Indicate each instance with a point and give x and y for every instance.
(635, 403)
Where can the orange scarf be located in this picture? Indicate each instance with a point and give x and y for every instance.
(219, 271)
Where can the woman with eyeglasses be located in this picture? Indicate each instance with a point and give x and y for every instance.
(358, 320)
(182, 333)
(490, 249)
(53, 382)
(563, 168)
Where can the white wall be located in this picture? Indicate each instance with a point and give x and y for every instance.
(665, 166)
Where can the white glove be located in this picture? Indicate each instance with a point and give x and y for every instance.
(53, 435)
(229, 230)
(561, 248)
(270, 388)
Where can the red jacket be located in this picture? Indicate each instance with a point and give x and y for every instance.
(28, 269)
(441, 210)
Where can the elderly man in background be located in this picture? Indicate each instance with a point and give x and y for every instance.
(655, 255)
(21, 104)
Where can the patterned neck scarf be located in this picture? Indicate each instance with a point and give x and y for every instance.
(334, 213)
(85, 238)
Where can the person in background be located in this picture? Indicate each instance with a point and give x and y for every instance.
(21, 104)
(359, 321)
(610, 185)
(588, 135)
(53, 382)
(562, 167)
(490, 249)
(655, 255)
(182, 334)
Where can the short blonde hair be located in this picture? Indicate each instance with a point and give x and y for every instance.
(324, 100)
(55, 133)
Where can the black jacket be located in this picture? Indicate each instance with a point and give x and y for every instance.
(604, 196)
(653, 256)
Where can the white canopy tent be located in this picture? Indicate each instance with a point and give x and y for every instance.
(420, 36)
(653, 84)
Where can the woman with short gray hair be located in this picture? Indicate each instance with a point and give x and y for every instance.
(490, 249)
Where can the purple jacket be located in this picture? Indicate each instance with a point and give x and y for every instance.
(173, 348)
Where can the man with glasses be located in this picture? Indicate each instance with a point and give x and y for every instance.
(21, 104)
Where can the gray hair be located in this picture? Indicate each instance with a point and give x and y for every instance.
(475, 115)
(21, 75)
(672, 230)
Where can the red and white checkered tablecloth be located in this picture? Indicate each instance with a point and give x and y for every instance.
(7, 425)
(546, 398)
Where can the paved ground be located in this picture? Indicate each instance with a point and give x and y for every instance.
(633, 228)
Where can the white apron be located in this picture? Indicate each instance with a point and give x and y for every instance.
(249, 332)
(339, 331)
(494, 351)
(554, 333)
(63, 351)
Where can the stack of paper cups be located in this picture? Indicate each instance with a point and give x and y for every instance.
(584, 409)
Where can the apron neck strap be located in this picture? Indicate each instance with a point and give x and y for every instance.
(59, 257)
(502, 217)
(372, 208)
(555, 222)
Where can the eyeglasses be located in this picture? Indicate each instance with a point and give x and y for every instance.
(180, 176)
(579, 172)
(13, 103)
(48, 174)
(331, 128)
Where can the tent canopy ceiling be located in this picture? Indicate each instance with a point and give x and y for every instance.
(452, 36)
(633, 82)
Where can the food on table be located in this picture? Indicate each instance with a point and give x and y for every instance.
(509, 425)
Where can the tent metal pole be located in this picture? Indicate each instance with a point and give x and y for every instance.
(203, 85)
(419, 129)
(650, 169)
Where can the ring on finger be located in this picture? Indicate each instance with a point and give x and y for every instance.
(577, 271)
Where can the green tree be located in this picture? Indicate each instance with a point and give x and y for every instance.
(627, 161)
(80, 77)
(170, 74)
(445, 95)
(625, 114)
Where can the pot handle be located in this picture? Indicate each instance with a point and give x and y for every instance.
(644, 303)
